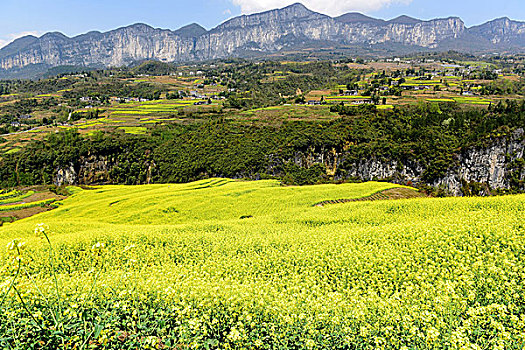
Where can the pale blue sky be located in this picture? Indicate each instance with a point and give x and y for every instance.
(72, 17)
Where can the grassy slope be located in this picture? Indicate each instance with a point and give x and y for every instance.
(408, 272)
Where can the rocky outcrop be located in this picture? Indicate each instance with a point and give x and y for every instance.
(115, 48)
(497, 166)
(95, 169)
(92, 169)
(493, 166)
(66, 176)
(265, 32)
(374, 169)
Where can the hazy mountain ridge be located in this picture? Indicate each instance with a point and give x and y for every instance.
(264, 32)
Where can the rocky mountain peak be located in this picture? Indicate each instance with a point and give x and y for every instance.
(193, 30)
(18, 45)
(296, 7)
(137, 28)
(498, 23)
(54, 36)
(501, 20)
(502, 31)
(356, 17)
(405, 20)
(295, 12)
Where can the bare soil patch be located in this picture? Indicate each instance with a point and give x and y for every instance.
(41, 195)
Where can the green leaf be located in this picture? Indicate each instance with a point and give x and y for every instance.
(98, 329)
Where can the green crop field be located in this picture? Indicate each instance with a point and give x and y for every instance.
(286, 112)
(463, 100)
(440, 100)
(135, 130)
(158, 108)
(410, 81)
(8, 194)
(473, 100)
(344, 98)
(13, 150)
(223, 264)
(13, 207)
(16, 197)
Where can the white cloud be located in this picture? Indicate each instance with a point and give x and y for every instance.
(329, 7)
(7, 39)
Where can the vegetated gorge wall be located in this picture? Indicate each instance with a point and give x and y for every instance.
(498, 166)
(93, 170)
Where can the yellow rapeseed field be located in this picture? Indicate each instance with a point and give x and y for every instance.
(223, 264)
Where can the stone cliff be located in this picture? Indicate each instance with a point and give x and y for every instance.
(502, 31)
(494, 166)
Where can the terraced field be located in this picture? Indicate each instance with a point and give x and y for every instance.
(475, 100)
(389, 194)
(223, 264)
(286, 113)
(21, 204)
(161, 108)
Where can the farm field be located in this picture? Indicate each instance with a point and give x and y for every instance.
(132, 118)
(149, 97)
(16, 205)
(153, 108)
(463, 100)
(285, 113)
(227, 264)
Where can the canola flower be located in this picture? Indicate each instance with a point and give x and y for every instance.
(98, 246)
(410, 274)
(129, 247)
(15, 248)
(41, 229)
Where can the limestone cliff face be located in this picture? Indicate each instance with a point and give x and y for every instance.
(374, 169)
(92, 169)
(502, 31)
(264, 32)
(425, 34)
(115, 48)
(493, 165)
(277, 29)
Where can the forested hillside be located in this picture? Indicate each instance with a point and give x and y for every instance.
(425, 139)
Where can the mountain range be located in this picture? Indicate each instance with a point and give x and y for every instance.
(278, 30)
